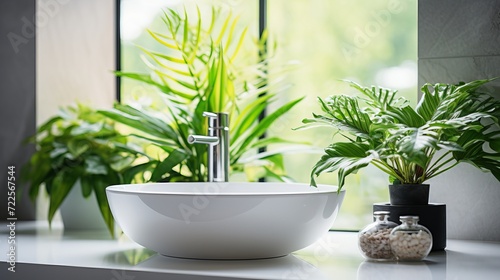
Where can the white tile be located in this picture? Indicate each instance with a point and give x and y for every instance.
(451, 28)
(472, 202)
(75, 55)
(454, 70)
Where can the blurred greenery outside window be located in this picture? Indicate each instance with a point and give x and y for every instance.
(370, 42)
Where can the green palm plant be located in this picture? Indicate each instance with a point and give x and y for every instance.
(451, 124)
(200, 70)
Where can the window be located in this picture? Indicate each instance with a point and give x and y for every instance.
(370, 42)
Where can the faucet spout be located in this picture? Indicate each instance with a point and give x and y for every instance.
(201, 139)
(218, 146)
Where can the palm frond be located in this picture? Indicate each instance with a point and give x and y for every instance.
(199, 71)
(344, 157)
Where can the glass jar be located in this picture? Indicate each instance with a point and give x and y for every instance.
(373, 240)
(410, 241)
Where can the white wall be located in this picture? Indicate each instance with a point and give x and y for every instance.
(75, 57)
(75, 54)
(459, 40)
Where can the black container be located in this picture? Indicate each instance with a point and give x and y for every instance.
(432, 216)
(409, 194)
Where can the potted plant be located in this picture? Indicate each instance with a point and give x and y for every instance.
(451, 124)
(204, 67)
(80, 148)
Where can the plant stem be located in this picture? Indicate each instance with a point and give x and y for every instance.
(432, 167)
(382, 165)
(403, 168)
(444, 170)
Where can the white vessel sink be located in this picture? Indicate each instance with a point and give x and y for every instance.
(224, 220)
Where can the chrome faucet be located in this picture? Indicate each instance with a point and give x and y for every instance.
(218, 146)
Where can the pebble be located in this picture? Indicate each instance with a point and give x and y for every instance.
(376, 245)
(410, 245)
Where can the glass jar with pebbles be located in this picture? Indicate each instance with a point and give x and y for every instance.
(374, 238)
(410, 241)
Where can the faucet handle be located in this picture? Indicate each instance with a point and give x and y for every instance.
(212, 119)
(209, 114)
(217, 120)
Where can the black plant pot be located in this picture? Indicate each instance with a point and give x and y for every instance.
(413, 200)
(409, 194)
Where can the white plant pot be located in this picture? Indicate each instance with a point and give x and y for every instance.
(81, 214)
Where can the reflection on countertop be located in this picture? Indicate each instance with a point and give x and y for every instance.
(336, 255)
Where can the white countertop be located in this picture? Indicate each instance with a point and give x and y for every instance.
(92, 255)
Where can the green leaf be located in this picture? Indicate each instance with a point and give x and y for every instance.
(406, 115)
(346, 158)
(152, 122)
(86, 185)
(188, 85)
(274, 140)
(231, 32)
(273, 152)
(129, 149)
(142, 78)
(413, 145)
(449, 102)
(77, 147)
(161, 39)
(473, 85)
(57, 152)
(49, 124)
(173, 159)
(495, 144)
(345, 113)
(378, 97)
(223, 30)
(94, 165)
(139, 121)
(197, 39)
(119, 162)
(87, 128)
(131, 172)
(163, 56)
(429, 102)
(248, 116)
(266, 123)
(36, 172)
(100, 183)
(220, 92)
(166, 144)
(61, 186)
(186, 30)
(238, 45)
(488, 164)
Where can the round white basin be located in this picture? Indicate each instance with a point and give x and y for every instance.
(224, 220)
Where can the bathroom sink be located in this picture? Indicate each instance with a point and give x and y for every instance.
(224, 220)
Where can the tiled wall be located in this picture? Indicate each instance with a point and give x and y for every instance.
(459, 40)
